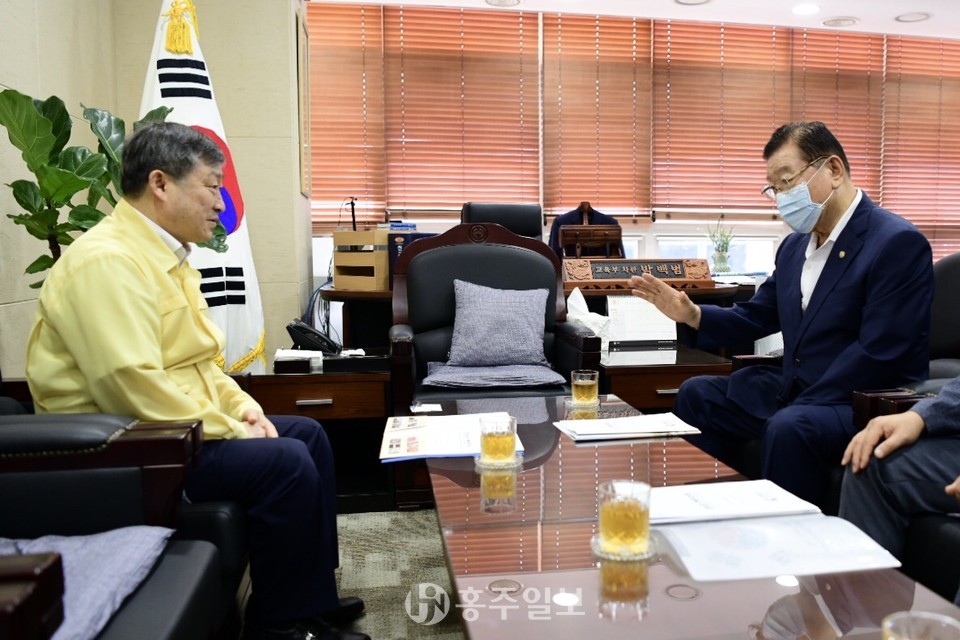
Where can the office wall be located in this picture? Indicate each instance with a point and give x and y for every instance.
(96, 53)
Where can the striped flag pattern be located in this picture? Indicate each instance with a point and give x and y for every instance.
(177, 77)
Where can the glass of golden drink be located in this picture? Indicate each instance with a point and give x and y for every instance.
(498, 440)
(624, 510)
(585, 386)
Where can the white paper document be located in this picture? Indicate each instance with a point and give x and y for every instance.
(654, 425)
(421, 436)
(724, 500)
(635, 321)
(751, 548)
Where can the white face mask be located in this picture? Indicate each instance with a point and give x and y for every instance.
(798, 209)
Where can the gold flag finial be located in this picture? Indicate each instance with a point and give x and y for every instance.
(178, 28)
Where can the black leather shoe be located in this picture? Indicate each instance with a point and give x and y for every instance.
(316, 630)
(348, 610)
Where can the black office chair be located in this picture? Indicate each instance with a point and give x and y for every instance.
(424, 309)
(944, 320)
(522, 219)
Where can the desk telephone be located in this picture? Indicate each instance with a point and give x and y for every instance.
(306, 337)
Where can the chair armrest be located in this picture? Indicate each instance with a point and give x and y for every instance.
(575, 347)
(741, 361)
(91, 472)
(402, 367)
(880, 402)
(31, 595)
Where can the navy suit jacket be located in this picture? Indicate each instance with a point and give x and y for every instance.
(866, 325)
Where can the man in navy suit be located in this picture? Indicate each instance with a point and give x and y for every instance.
(851, 292)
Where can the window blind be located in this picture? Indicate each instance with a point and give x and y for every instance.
(719, 92)
(921, 158)
(596, 113)
(461, 109)
(346, 114)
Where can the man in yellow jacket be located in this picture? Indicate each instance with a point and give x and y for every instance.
(122, 328)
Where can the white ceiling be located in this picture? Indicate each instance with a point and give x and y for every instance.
(875, 16)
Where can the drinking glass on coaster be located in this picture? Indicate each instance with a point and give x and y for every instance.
(920, 625)
(624, 590)
(498, 437)
(498, 490)
(584, 385)
(624, 507)
(578, 411)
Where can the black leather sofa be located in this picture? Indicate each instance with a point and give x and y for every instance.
(83, 474)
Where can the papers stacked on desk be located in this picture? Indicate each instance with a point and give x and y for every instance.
(755, 529)
(412, 437)
(654, 425)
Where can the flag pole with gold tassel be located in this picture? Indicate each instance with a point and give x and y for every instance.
(178, 28)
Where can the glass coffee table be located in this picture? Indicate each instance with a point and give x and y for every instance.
(524, 568)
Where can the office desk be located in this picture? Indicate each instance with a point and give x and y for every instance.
(649, 380)
(368, 315)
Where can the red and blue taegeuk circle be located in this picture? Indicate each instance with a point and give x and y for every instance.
(232, 214)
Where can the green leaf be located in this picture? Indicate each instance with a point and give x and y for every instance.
(110, 131)
(27, 129)
(55, 111)
(58, 186)
(157, 115)
(84, 163)
(219, 240)
(38, 225)
(98, 190)
(85, 217)
(37, 284)
(27, 195)
(42, 263)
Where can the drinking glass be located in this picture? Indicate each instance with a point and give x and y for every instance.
(920, 625)
(584, 384)
(624, 508)
(624, 590)
(498, 490)
(498, 435)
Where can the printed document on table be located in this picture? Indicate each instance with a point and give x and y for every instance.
(424, 436)
(724, 500)
(654, 425)
(752, 548)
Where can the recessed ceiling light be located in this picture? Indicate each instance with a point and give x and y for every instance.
(691, 2)
(806, 9)
(843, 21)
(502, 3)
(919, 16)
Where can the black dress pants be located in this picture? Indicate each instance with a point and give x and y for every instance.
(288, 488)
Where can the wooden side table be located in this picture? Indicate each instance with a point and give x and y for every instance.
(352, 407)
(649, 380)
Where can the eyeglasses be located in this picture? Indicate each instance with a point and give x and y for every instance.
(771, 191)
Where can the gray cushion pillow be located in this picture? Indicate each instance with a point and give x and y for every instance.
(100, 570)
(495, 327)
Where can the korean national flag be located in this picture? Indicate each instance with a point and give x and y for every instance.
(178, 78)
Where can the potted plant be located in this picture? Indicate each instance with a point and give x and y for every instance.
(720, 237)
(75, 180)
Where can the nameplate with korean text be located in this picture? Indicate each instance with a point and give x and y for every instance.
(601, 273)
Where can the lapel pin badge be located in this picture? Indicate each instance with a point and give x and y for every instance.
(842, 254)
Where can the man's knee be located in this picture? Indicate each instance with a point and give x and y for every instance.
(695, 392)
(284, 458)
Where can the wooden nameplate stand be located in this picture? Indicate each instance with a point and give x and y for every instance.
(609, 275)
